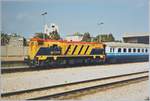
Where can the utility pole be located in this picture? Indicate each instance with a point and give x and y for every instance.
(43, 14)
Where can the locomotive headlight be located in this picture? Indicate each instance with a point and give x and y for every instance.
(101, 56)
(52, 52)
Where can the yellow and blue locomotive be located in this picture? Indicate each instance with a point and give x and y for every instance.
(45, 52)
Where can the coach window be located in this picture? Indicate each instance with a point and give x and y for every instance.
(143, 50)
(124, 50)
(146, 50)
(129, 50)
(138, 50)
(134, 50)
(113, 50)
(119, 50)
(110, 50)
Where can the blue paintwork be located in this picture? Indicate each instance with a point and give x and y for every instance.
(127, 57)
(47, 50)
(97, 51)
(44, 51)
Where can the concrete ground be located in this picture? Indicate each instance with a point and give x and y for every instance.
(35, 79)
(132, 92)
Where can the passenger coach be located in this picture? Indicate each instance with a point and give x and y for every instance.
(126, 52)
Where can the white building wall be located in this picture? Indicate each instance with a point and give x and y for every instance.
(50, 28)
(74, 38)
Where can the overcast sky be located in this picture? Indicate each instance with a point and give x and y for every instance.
(71, 16)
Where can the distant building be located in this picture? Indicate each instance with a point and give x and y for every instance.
(136, 38)
(74, 37)
(50, 28)
(16, 41)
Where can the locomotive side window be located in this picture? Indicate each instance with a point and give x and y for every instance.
(119, 50)
(124, 50)
(138, 50)
(129, 50)
(134, 50)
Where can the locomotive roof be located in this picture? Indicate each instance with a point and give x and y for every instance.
(131, 45)
(63, 41)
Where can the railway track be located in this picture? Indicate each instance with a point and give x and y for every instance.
(53, 92)
(28, 69)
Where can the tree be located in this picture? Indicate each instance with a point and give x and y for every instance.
(25, 41)
(86, 37)
(104, 38)
(4, 38)
(53, 36)
(41, 35)
(111, 38)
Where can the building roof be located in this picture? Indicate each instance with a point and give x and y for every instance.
(128, 45)
(136, 34)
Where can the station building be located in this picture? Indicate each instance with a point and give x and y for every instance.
(136, 38)
(74, 37)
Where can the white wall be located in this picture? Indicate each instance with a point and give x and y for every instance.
(74, 38)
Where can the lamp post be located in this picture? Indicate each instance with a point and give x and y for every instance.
(43, 14)
(99, 24)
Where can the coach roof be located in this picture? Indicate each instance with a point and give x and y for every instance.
(130, 45)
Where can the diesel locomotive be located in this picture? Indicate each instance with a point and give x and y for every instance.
(45, 52)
